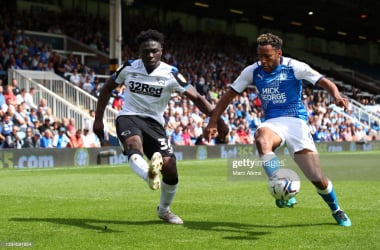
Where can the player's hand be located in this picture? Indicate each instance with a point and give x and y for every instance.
(342, 102)
(210, 131)
(223, 130)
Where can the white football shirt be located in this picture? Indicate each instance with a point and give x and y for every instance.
(147, 95)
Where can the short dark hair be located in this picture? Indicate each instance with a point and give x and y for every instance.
(269, 39)
(150, 34)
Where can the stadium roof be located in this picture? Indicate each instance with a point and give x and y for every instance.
(352, 21)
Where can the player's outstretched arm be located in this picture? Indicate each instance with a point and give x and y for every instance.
(211, 128)
(103, 100)
(333, 91)
(207, 108)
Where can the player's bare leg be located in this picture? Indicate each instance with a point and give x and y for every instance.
(309, 163)
(266, 142)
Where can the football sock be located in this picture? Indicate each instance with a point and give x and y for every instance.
(139, 165)
(270, 163)
(329, 197)
(167, 195)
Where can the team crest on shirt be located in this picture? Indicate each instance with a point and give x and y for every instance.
(282, 76)
(160, 81)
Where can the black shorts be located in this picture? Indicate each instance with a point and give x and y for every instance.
(152, 134)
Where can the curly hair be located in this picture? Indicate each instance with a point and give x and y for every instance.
(270, 39)
(150, 34)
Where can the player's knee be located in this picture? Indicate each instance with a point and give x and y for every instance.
(169, 170)
(263, 143)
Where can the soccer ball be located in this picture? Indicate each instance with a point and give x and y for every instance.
(284, 184)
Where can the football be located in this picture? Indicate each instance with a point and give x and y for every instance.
(284, 184)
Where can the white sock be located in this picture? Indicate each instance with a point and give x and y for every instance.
(139, 166)
(167, 195)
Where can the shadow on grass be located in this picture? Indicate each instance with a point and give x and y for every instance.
(102, 226)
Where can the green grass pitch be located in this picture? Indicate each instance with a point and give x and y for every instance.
(104, 207)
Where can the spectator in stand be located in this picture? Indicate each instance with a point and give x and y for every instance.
(37, 125)
(71, 126)
(117, 103)
(69, 67)
(46, 140)
(186, 138)
(82, 74)
(13, 140)
(40, 113)
(336, 134)
(359, 134)
(88, 123)
(90, 140)
(15, 88)
(97, 87)
(21, 97)
(42, 106)
(77, 139)
(244, 136)
(59, 67)
(75, 78)
(28, 97)
(32, 116)
(50, 67)
(92, 75)
(87, 85)
(49, 114)
(346, 133)
(61, 140)
(64, 122)
(9, 95)
(37, 139)
(35, 62)
(21, 117)
(7, 124)
(233, 138)
(8, 105)
(28, 141)
(55, 126)
(45, 125)
(176, 138)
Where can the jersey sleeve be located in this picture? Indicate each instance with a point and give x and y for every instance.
(303, 71)
(119, 75)
(244, 79)
(180, 79)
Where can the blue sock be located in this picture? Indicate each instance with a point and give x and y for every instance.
(328, 195)
(270, 163)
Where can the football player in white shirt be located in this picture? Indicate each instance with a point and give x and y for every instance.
(149, 84)
(279, 82)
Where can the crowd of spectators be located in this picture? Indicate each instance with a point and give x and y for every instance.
(210, 63)
(25, 123)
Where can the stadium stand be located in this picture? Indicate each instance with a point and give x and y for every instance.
(209, 62)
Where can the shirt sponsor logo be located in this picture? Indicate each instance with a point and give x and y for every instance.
(145, 89)
(273, 94)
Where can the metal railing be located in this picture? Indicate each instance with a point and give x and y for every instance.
(64, 98)
(362, 113)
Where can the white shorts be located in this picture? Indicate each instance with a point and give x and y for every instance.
(294, 133)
